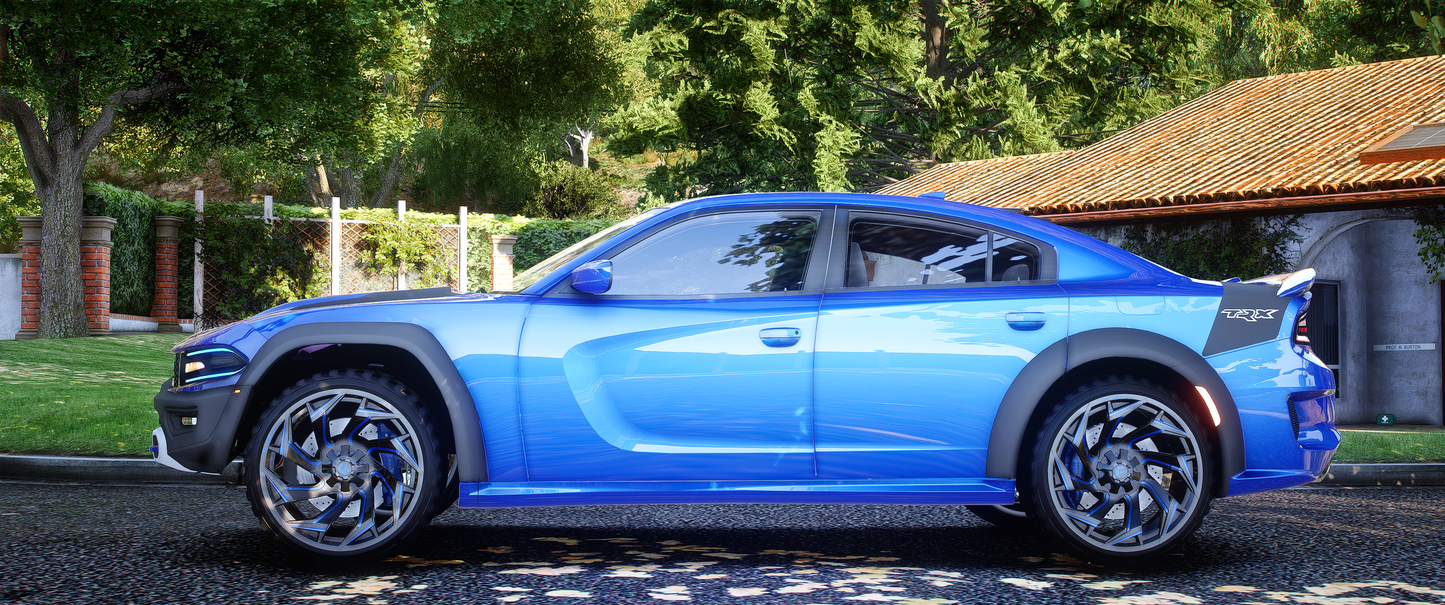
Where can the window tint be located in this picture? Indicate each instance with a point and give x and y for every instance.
(1014, 260)
(898, 255)
(720, 254)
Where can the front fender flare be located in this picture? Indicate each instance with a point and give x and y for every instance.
(1029, 389)
(466, 427)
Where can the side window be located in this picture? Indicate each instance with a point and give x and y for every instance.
(732, 253)
(905, 255)
(1014, 260)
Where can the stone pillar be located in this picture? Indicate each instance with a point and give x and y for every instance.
(29, 277)
(94, 273)
(164, 307)
(95, 247)
(502, 262)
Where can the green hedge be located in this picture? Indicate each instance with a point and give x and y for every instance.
(537, 239)
(132, 258)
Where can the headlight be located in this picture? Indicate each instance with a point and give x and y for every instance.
(207, 364)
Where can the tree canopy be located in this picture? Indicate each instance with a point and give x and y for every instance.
(278, 74)
(788, 94)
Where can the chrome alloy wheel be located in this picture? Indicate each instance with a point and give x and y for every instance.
(1125, 474)
(341, 470)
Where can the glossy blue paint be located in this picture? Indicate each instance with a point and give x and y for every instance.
(667, 389)
(908, 381)
(898, 491)
(1264, 379)
(594, 277)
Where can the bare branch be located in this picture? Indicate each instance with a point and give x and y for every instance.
(393, 170)
(159, 87)
(34, 144)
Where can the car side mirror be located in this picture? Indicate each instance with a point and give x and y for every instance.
(594, 277)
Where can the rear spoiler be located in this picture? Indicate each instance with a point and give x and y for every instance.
(1290, 284)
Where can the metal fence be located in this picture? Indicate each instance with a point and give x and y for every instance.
(304, 270)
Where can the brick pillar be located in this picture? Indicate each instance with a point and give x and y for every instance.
(95, 247)
(29, 277)
(94, 273)
(502, 262)
(164, 307)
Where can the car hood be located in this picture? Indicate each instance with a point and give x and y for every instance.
(274, 318)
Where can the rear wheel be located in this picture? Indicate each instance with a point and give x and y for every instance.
(1120, 471)
(346, 465)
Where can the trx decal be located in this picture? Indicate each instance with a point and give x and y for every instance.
(1249, 315)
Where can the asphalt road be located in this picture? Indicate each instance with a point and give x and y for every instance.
(200, 544)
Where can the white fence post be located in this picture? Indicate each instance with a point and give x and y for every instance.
(401, 266)
(462, 260)
(266, 214)
(335, 246)
(198, 278)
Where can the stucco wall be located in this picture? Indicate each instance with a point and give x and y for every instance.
(9, 296)
(1385, 298)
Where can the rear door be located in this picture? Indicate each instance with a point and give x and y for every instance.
(921, 332)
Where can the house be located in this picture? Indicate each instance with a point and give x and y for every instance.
(1350, 150)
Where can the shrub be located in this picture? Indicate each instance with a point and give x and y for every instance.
(1245, 247)
(568, 191)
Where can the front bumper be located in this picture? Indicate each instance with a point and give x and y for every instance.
(206, 445)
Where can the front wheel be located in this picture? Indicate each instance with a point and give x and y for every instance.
(1120, 471)
(345, 464)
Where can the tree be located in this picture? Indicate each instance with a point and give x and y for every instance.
(400, 88)
(853, 94)
(1288, 36)
(520, 75)
(278, 73)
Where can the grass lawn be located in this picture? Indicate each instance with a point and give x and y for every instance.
(82, 396)
(1399, 443)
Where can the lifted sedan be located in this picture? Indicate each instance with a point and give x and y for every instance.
(795, 348)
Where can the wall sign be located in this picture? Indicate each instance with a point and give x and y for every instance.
(1428, 346)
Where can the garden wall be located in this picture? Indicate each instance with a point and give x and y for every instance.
(9, 296)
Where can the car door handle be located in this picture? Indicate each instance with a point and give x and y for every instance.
(1025, 320)
(780, 337)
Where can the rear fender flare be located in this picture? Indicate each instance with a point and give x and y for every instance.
(1030, 391)
(420, 343)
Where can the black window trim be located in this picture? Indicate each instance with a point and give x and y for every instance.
(813, 278)
(842, 227)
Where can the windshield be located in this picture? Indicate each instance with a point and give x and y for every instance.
(540, 270)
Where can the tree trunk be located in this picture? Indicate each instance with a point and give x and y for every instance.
(318, 185)
(345, 184)
(935, 41)
(392, 175)
(62, 292)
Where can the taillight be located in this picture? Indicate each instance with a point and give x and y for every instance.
(1301, 329)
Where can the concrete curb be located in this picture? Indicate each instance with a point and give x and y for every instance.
(108, 470)
(1392, 474)
(141, 470)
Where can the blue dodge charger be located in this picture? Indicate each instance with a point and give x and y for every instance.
(783, 348)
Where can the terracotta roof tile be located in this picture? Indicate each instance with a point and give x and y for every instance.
(1275, 137)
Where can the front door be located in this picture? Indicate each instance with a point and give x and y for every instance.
(696, 364)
